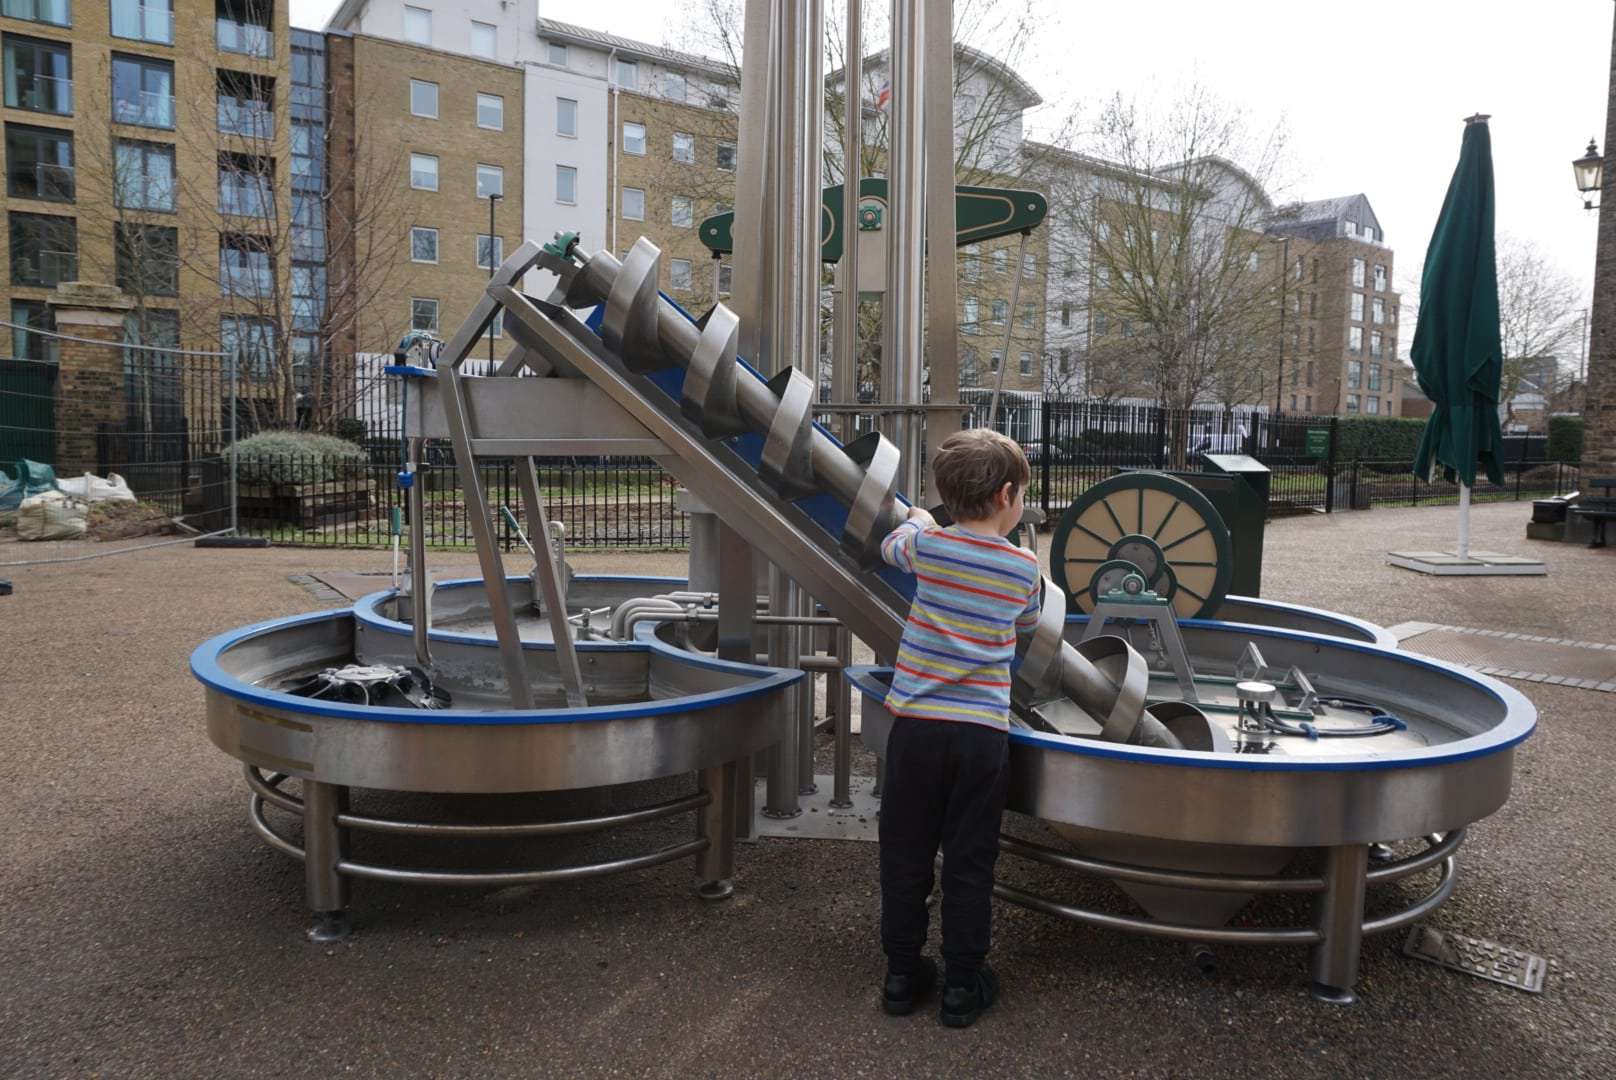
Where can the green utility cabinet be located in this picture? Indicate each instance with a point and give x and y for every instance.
(1237, 486)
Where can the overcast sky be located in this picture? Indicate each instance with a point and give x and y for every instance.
(1373, 95)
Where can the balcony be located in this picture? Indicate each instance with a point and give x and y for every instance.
(46, 269)
(147, 108)
(142, 22)
(40, 180)
(249, 39)
(247, 117)
(40, 93)
(54, 12)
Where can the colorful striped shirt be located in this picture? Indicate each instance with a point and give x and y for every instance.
(972, 593)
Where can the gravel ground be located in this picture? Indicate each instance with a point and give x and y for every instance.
(146, 933)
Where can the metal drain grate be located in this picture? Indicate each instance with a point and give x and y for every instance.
(1529, 657)
(1478, 956)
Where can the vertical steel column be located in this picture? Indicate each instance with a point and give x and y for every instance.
(1009, 330)
(942, 282)
(842, 770)
(805, 701)
(544, 565)
(1334, 963)
(844, 370)
(906, 238)
(755, 225)
(420, 584)
(716, 823)
(737, 612)
(325, 844)
(780, 792)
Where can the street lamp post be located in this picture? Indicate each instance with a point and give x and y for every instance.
(1284, 277)
(493, 197)
(1589, 170)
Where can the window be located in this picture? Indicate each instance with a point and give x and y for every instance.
(242, 26)
(1312, 305)
(1352, 402)
(246, 104)
(1029, 316)
(566, 117)
(1254, 260)
(424, 99)
(1391, 315)
(1380, 278)
(148, 259)
(142, 91)
(1309, 405)
(995, 359)
(566, 184)
(718, 97)
(968, 368)
(726, 279)
(1298, 278)
(424, 315)
(1375, 344)
(246, 185)
(496, 325)
(491, 112)
(1315, 271)
(633, 204)
(1099, 324)
(1029, 266)
(558, 54)
(485, 40)
(143, 175)
(1310, 381)
(1358, 269)
(1293, 403)
(54, 12)
(1377, 311)
(39, 163)
(971, 262)
(423, 244)
(1357, 307)
(1355, 373)
(246, 268)
(252, 341)
(628, 74)
(1071, 266)
(684, 148)
(1374, 376)
(1066, 313)
(679, 274)
(1103, 276)
(30, 343)
(424, 172)
(1355, 340)
(1310, 345)
(682, 212)
(1001, 261)
(308, 297)
(417, 25)
(1001, 311)
(726, 156)
(1372, 405)
(634, 138)
(307, 155)
(1350, 228)
(490, 251)
(1066, 361)
(141, 20)
(1024, 363)
(1105, 231)
(673, 86)
(969, 324)
(490, 181)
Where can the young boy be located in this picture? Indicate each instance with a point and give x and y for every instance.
(947, 760)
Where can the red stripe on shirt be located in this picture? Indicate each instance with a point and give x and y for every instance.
(967, 588)
(916, 620)
(948, 679)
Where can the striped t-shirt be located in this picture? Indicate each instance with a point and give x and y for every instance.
(972, 593)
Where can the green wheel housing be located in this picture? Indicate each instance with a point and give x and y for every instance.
(1130, 511)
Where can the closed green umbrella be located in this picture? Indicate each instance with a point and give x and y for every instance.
(1458, 352)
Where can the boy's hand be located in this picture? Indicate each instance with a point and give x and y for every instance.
(922, 515)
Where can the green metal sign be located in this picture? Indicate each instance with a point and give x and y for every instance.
(1318, 442)
(980, 213)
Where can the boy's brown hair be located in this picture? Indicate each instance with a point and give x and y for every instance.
(972, 466)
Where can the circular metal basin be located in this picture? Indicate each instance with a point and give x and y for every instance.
(657, 711)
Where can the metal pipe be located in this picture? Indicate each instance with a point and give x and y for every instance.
(942, 226)
(805, 695)
(325, 845)
(1216, 935)
(844, 372)
(420, 583)
(780, 790)
(715, 865)
(569, 827)
(485, 878)
(1339, 918)
(842, 769)
(1009, 327)
(903, 341)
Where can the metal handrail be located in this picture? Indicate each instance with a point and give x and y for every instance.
(31, 98)
(252, 118)
(149, 108)
(250, 39)
(154, 24)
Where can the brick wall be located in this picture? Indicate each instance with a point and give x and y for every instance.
(89, 381)
(1599, 443)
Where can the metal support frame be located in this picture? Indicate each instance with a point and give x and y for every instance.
(420, 581)
(1334, 963)
(903, 309)
(842, 769)
(1160, 617)
(737, 609)
(325, 845)
(544, 566)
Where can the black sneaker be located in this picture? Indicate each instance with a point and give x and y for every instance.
(900, 992)
(963, 1004)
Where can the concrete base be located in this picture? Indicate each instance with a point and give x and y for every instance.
(1479, 564)
(820, 821)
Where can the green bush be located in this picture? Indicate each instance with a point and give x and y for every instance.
(1377, 438)
(352, 429)
(1565, 438)
(294, 457)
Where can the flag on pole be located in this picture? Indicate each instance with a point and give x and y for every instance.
(884, 97)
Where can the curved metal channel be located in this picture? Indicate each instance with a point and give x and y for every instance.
(1436, 852)
(1228, 935)
(476, 878)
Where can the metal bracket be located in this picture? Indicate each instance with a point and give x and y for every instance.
(1162, 620)
(1251, 664)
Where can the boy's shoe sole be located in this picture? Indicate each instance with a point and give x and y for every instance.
(969, 1005)
(903, 1001)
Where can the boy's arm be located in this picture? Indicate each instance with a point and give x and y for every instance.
(1027, 621)
(898, 549)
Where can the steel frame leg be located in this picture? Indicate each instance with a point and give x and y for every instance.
(1334, 963)
(737, 611)
(325, 844)
(805, 700)
(716, 865)
(842, 794)
(780, 792)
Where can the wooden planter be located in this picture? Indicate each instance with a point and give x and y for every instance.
(306, 505)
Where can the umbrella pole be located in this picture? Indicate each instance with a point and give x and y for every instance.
(1464, 521)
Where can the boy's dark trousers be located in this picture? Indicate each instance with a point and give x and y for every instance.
(945, 786)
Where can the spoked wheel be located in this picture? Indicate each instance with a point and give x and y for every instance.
(1161, 525)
